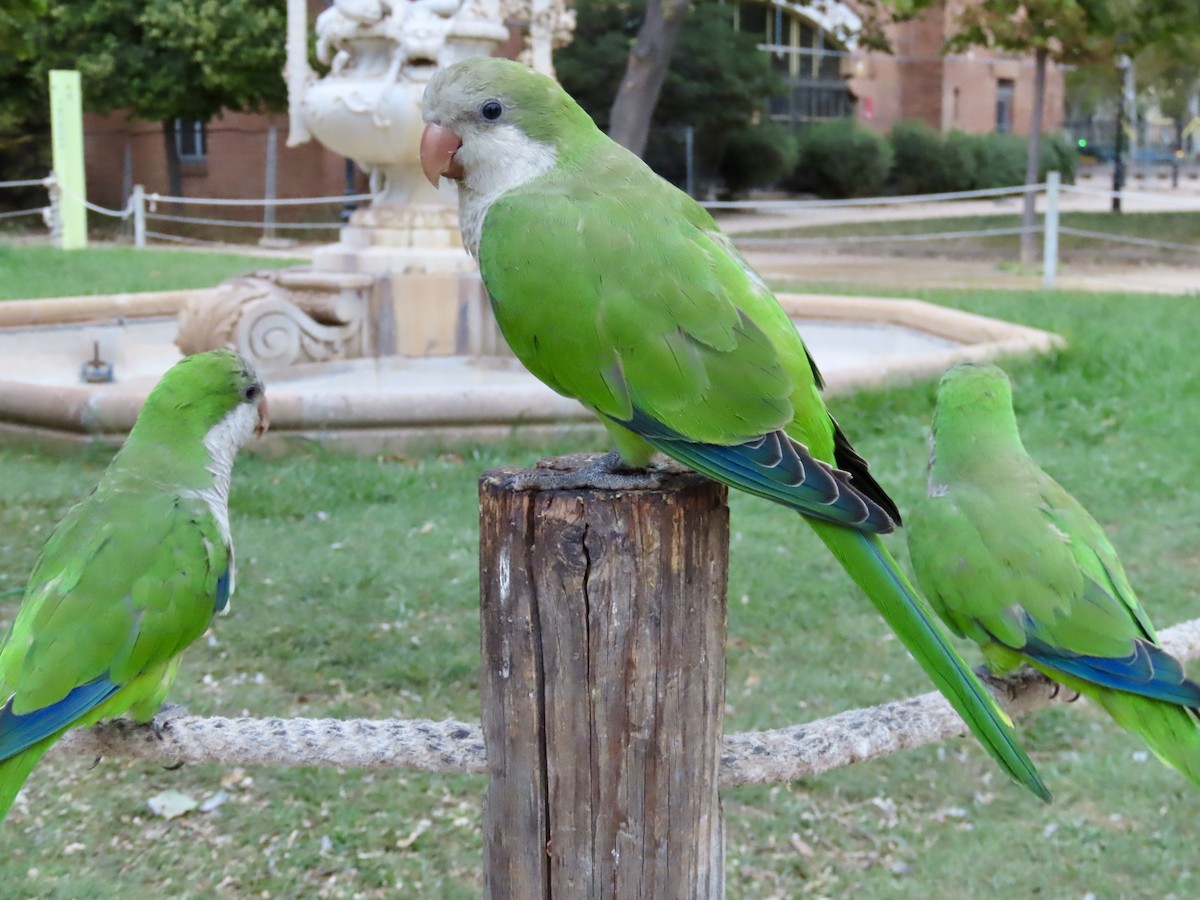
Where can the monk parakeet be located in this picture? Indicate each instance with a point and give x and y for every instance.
(135, 572)
(617, 289)
(1010, 560)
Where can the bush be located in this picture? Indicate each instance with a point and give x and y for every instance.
(841, 158)
(920, 158)
(960, 167)
(1057, 153)
(999, 159)
(758, 156)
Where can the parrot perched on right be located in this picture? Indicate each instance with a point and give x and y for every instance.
(1012, 561)
(135, 572)
(617, 289)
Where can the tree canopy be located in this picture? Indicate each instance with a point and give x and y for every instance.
(717, 80)
(161, 60)
(167, 59)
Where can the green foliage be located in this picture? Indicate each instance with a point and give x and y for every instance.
(960, 165)
(928, 162)
(717, 81)
(1071, 31)
(841, 158)
(999, 159)
(167, 59)
(24, 118)
(1057, 153)
(758, 156)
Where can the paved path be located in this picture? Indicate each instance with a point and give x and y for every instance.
(902, 274)
(1150, 198)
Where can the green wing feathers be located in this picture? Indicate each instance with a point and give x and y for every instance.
(1012, 561)
(657, 314)
(123, 585)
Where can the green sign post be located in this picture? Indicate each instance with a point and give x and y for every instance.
(66, 133)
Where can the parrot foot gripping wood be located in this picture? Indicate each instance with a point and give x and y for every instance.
(603, 620)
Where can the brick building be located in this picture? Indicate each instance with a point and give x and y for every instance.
(977, 91)
(226, 157)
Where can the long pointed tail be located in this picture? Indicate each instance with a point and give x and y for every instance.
(868, 562)
(15, 769)
(1171, 731)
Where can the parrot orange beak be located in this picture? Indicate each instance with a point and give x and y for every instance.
(438, 146)
(264, 421)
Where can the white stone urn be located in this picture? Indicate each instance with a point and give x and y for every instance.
(380, 54)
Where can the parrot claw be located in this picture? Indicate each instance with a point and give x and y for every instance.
(167, 713)
(1057, 689)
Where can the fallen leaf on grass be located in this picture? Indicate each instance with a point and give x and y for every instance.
(171, 804)
(406, 842)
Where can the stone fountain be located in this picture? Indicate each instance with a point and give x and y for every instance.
(398, 281)
(386, 343)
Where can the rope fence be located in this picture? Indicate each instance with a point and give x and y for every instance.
(143, 206)
(16, 213)
(233, 223)
(748, 758)
(785, 205)
(1128, 239)
(266, 201)
(889, 238)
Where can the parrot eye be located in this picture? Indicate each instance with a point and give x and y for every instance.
(251, 392)
(491, 109)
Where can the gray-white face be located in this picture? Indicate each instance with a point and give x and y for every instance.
(469, 140)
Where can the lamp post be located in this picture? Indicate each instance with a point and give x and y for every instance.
(1124, 66)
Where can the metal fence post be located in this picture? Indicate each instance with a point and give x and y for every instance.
(137, 199)
(1050, 232)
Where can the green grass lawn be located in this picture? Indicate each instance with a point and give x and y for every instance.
(29, 271)
(357, 596)
(1170, 227)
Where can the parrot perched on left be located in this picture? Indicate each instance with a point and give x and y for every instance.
(1012, 561)
(135, 572)
(616, 288)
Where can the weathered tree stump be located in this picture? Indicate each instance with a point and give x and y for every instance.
(603, 615)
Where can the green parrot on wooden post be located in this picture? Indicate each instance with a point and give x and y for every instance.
(135, 572)
(617, 289)
(1012, 561)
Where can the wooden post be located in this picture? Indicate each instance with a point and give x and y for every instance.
(603, 619)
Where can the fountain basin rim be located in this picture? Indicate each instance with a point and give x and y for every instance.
(434, 410)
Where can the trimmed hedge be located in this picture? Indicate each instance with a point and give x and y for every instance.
(841, 158)
(758, 156)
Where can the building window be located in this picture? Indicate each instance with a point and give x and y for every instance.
(191, 140)
(808, 60)
(1005, 88)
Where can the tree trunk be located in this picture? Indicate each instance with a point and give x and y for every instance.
(174, 168)
(603, 633)
(1029, 244)
(629, 123)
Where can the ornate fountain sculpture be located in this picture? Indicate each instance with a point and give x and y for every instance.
(398, 280)
(381, 53)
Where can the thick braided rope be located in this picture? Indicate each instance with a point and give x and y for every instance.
(760, 757)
